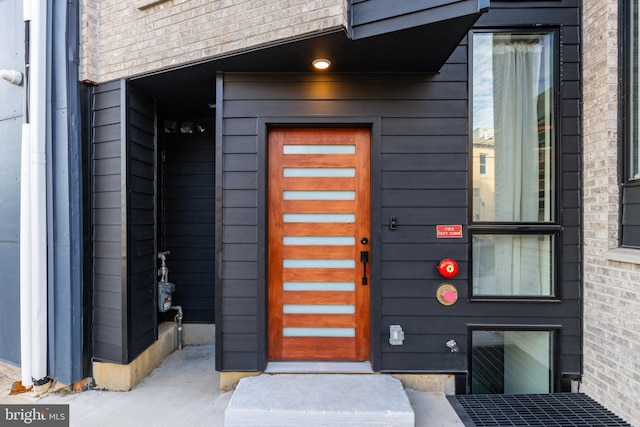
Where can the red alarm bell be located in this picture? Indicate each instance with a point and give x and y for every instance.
(448, 268)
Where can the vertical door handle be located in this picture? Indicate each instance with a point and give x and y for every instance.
(364, 259)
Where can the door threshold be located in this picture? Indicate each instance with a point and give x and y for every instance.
(319, 368)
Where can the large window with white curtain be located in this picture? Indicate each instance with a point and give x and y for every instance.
(514, 168)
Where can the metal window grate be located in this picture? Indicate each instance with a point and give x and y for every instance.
(545, 410)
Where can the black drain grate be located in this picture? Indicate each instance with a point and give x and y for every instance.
(544, 410)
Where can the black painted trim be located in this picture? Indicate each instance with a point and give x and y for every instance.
(124, 221)
(86, 107)
(461, 383)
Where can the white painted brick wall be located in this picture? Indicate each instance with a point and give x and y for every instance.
(611, 288)
(119, 40)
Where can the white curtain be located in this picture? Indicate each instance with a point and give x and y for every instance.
(523, 260)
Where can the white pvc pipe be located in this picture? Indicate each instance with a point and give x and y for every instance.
(26, 10)
(33, 227)
(25, 256)
(12, 76)
(38, 105)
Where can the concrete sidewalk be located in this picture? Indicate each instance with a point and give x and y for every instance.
(184, 391)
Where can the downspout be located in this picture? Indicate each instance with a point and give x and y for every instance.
(33, 229)
(38, 105)
(25, 255)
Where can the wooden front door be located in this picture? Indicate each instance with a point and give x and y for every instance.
(319, 215)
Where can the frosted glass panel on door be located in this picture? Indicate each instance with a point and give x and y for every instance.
(318, 332)
(319, 240)
(318, 309)
(319, 218)
(318, 263)
(319, 286)
(319, 195)
(319, 172)
(319, 149)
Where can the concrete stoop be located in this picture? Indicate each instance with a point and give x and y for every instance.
(319, 400)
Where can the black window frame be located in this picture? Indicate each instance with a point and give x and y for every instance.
(554, 227)
(629, 234)
(555, 383)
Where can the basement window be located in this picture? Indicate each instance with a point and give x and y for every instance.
(511, 362)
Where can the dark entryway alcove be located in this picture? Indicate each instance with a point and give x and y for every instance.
(186, 212)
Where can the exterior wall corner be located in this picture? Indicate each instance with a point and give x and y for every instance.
(611, 295)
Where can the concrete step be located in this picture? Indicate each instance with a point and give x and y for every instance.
(319, 400)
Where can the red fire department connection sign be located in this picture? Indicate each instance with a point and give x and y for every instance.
(449, 231)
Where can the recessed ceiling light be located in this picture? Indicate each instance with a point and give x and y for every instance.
(321, 64)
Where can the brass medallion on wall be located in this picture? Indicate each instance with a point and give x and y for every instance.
(447, 294)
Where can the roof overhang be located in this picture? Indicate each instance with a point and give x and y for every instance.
(374, 17)
(403, 46)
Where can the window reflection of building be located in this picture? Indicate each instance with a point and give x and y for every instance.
(483, 174)
(513, 133)
(513, 173)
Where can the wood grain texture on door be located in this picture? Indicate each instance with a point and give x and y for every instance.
(318, 226)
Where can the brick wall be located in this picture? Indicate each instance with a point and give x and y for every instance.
(89, 40)
(120, 39)
(611, 275)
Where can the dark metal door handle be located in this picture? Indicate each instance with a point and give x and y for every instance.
(364, 259)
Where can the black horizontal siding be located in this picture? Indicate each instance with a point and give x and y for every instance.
(188, 221)
(421, 178)
(109, 311)
(631, 216)
(141, 219)
(123, 218)
(570, 147)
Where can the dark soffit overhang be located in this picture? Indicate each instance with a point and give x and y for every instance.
(418, 49)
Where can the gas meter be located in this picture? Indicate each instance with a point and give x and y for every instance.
(165, 288)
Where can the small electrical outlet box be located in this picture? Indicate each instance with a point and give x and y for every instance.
(396, 335)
